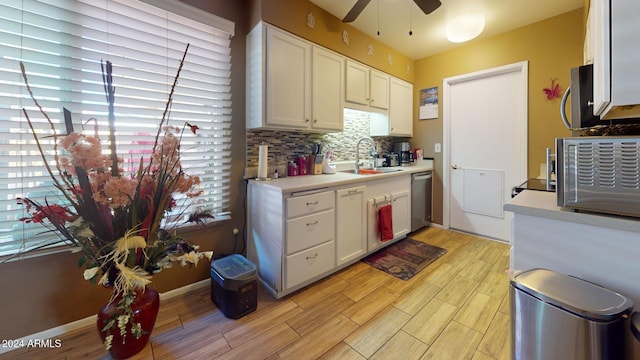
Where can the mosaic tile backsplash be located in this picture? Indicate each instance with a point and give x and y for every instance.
(285, 146)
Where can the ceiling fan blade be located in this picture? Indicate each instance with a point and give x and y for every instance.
(356, 10)
(427, 6)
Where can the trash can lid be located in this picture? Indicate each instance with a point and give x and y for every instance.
(572, 294)
(234, 267)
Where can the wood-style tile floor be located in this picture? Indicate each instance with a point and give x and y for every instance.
(457, 308)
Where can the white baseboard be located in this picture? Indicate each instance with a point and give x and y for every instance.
(185, 289)
(53, 333)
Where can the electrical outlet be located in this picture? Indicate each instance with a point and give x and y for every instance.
(438, 147)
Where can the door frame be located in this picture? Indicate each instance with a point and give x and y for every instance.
(521, 67)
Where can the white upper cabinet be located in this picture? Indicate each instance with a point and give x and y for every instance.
(613, 30)
(328, 90)
(292, 84)
(379, 89)
(399, 122)
(288, 86)
(400, 108)
(357, 89)
(367, 89)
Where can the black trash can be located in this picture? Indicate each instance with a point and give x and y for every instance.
(635, 330)
(234, 288)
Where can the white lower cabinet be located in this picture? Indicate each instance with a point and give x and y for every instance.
(351, 224)
(373, 235)
(298, 238)
(306, 231)
(309, 263)
(401, 211)
(309, 238)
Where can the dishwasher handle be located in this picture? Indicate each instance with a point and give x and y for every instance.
(422, 176)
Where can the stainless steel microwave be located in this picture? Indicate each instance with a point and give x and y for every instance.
(583, 122)
(599, 174)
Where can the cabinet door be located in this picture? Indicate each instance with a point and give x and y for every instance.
(327, 90)
(400, 108)
(307, 264)
(357, 87)
(373, 235)
(379, 90)
(309, 204)
(600, 47)
(351, 241)
(401, 217)
(288, 86)
(307, 231)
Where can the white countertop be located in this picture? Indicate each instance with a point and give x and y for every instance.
(309, 182)
(543, 204)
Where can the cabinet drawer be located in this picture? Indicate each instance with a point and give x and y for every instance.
(309, 263)
(307, 231)
(308, 204)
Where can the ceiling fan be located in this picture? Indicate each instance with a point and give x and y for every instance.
(427, 6)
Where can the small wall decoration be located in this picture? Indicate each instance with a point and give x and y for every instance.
(369, 49)
(311, 20)
(345, 37)
(553, 91)
(429, 103)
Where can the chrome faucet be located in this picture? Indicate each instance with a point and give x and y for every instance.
(357, 169)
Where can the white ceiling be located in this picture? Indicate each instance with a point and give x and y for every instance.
(396, 17)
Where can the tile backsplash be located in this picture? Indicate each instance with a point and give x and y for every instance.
(285, 146)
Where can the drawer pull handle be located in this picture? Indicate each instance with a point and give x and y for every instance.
(312, 203)
(312, 256)
(312, 223)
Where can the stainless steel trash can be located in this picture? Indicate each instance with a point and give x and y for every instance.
(556, 316)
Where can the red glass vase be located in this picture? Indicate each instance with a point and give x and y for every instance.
(144, 309)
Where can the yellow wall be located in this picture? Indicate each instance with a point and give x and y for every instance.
(291, 15)
(551, 47)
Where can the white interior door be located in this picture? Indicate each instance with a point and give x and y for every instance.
(485, 148)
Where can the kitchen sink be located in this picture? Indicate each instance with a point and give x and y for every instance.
(373, 171)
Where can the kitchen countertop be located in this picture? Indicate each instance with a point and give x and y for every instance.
(543, 204)
(309, 182)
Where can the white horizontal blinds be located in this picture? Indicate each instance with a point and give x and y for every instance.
(62, 43)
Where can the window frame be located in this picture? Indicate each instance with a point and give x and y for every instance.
(177, 13)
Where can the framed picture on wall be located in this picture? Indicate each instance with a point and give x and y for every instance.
(429, 103)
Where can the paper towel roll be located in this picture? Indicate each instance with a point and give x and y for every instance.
(262, 161)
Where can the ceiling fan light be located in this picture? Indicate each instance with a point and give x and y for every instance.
(465, 27)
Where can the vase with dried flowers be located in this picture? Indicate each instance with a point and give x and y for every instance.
(114, 216)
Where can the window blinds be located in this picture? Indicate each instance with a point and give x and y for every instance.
(61, 43)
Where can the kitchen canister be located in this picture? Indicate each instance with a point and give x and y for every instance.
(303, 164)
(292, 169)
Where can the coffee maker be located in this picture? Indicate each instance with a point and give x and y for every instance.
(403, 149)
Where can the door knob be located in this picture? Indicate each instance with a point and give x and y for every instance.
(455, 166)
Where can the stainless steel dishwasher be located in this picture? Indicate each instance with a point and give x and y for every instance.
(421, 183)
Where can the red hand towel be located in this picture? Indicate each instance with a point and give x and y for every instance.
(385, 225)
